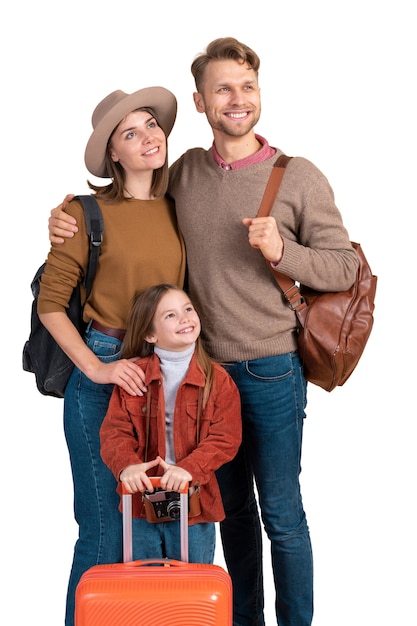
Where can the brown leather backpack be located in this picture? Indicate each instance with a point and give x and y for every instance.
(334, 327)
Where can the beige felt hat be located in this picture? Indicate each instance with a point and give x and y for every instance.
(110, 111)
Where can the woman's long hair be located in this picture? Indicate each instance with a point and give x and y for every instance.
(140, 325)
(115, 191)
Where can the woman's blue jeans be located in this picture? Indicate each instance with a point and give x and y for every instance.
(273, 395)
(95, 499)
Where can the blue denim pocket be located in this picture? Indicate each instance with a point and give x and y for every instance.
(106, 348)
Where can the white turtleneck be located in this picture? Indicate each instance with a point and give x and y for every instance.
(174, 366)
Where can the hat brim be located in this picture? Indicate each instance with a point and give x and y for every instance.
(163, 104)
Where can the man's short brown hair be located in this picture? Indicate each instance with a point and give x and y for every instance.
(221, 50)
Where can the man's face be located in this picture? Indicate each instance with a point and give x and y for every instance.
(230, 97)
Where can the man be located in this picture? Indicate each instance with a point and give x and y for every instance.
(246, 323)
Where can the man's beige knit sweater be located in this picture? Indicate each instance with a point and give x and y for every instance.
(243, 313)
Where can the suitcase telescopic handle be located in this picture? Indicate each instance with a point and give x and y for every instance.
(127, 520)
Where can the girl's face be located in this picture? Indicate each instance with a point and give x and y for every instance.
(176, 324)
(138, 143)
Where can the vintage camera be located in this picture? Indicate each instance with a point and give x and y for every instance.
(165, 504)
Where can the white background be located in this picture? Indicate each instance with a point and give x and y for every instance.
(338, 87)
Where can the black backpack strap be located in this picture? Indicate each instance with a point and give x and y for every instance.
(95, 229)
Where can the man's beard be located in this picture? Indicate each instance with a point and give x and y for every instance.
(233, 130)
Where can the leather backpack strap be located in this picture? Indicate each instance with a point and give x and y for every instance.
(288, 287)
(273, 185)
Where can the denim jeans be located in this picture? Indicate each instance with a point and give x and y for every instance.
(162, 540)
(273, 395)
(95, 499)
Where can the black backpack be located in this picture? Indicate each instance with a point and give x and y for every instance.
(41, 354)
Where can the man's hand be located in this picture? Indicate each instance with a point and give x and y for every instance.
(60, 224)
(263, 234)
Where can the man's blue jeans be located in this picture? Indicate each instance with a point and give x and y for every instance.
(273, 395)
(95, 499)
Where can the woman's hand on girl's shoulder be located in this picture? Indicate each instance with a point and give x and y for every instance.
(124, 373)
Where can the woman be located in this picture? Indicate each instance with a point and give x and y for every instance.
(141, 247)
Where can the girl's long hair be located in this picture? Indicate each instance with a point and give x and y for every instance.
(140, 325)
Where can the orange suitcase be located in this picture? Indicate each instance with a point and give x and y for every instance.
(154, 591)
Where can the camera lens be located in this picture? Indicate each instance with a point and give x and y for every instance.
(173, 509)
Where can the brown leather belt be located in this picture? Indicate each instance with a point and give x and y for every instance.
(112, 332)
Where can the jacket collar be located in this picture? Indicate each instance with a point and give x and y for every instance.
(151, 366)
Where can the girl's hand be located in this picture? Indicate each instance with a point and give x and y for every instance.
(175, 478)
(134, 477)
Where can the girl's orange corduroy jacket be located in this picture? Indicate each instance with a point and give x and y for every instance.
(123, 432)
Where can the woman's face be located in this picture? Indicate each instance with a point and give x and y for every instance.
(138, 143)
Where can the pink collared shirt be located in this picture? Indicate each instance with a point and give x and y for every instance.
(266, 152)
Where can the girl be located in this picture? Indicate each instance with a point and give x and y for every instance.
(185, 427)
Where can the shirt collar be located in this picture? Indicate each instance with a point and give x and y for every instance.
(266, 152)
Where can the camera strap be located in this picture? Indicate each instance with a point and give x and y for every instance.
(148, 417)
